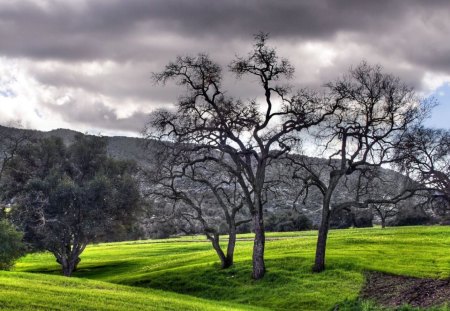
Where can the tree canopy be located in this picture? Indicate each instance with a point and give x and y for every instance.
(65, 197)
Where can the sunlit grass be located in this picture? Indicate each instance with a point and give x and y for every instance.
(188, 265)
(26, 291)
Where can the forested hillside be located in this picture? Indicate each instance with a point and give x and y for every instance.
(287, 208)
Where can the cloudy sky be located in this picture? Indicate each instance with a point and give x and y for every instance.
(87, 64)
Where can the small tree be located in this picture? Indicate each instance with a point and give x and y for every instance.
(385, 211)
(11, 246)
(68, 197)
(392, 193)
(202, 197)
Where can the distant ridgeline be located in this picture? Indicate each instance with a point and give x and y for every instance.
(285, 210)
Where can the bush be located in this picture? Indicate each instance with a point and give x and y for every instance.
(413, 216)
(340, 219)
(288, 220)
(362, 218)
(11, 246)
(357, 218)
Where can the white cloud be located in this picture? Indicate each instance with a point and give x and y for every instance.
(432, 81)
(26, 96)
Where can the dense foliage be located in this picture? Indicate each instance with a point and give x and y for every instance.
(11, 246)
(66, 197)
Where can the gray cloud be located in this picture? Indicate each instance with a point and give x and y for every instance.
(108, 48)
(102, 116)
(115, 29)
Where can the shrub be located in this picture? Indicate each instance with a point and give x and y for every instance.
(288, 220)
(11, 246)
(412, 216)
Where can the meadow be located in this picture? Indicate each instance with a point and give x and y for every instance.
(183, 273)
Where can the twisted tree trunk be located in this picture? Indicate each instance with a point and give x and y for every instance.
(226, 260)
(230, 248)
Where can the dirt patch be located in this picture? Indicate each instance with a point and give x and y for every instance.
(393, 290)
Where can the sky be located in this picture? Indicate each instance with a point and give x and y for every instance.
(87, 64)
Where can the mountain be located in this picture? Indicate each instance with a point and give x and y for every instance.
(119, 147)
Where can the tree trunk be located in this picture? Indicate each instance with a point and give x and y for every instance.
(383, 222)
(319, 264)
(216, 245)
(258, 247)
(68, 265)
(230, 248)
(67, 269)
(226, 261)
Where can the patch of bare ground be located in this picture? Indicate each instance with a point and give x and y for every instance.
(393, 290)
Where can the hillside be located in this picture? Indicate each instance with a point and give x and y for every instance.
(280, 208)
(118, 146)
(189, 266)
(27, 291)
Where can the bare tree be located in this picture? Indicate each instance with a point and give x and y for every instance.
(424, 155)
(201, 195)
(381, 191)
(391, 192)
(375, 111)
(250, 133)
(385, 211)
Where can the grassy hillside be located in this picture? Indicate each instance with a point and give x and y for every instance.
(189, 266)
(27, 291)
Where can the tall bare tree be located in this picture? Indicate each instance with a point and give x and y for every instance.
(250, 133)
(375, 112)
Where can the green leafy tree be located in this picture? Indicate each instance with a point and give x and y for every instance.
(10, 142)
(66, 197)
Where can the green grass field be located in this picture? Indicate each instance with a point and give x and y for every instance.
(147, 274)
(26, 291)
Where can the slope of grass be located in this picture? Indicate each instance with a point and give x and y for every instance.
(189, 265)
(26, 291)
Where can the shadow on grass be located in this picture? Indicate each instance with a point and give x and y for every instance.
(95, 271)
(287, 285)
(104, 270)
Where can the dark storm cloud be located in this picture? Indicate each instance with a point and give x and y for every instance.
(118, 29)
(408, 37)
